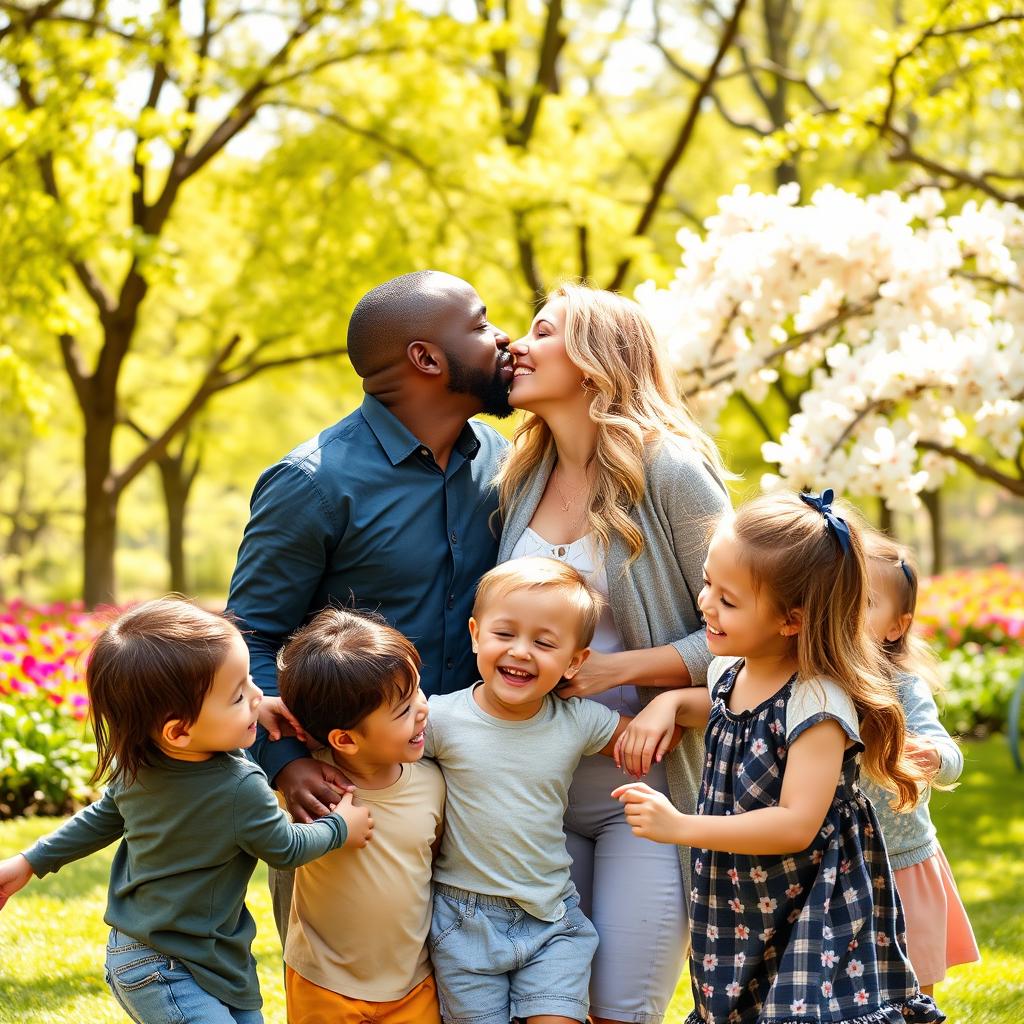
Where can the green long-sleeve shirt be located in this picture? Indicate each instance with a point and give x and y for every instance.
(191, 833)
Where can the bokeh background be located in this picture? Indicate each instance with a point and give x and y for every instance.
(821, 205)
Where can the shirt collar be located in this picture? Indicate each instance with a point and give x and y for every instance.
(399, 442)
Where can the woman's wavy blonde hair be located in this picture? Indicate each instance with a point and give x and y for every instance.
(636, 405)
(796, 560)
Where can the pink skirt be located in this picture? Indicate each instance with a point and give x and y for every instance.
(939, 934)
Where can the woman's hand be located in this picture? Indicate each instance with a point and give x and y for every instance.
(650, 814)
(648, 737)
(275, 717)
(596, 675)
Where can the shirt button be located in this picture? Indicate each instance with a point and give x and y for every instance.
(450, 663)
(424, 452)
(454, 537)
(451, 600)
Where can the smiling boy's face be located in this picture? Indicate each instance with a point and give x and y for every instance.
(526, 642)
(227, 719)
(393, 732)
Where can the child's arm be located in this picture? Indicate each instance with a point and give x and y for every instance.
(91, 829)
(15, 874)
(655, 731)
(813, 765)
(928, 743)
(263, 829)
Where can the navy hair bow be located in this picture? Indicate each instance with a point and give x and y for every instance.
(823, 504)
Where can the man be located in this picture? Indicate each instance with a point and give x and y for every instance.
(387, 510)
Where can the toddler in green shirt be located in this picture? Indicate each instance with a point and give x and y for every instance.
(172, 703)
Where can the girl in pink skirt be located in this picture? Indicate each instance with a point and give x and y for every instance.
(939, 934)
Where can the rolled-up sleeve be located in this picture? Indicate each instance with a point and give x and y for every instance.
(281, 562)
(692, 500)
(923, 721)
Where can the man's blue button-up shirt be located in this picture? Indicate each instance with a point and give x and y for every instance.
(362, 515)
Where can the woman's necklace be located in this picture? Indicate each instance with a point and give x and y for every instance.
(567, 503)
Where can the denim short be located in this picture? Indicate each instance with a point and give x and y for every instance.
(156, 989)
(493, 961)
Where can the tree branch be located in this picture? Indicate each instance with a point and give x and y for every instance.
(977, 466)
(682, 140)
(546, 80)
(72, 356)
(527, 257)
(242, 112)
(845, 312)
(217, 378)
(44, 162)
(755, 415)
(905, 153)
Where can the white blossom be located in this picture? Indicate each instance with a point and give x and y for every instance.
(908, 322)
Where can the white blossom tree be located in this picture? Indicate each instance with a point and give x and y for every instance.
(903, 324)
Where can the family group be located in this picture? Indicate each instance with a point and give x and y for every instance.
(519, 727)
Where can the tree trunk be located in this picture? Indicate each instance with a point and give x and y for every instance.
(177, 484)
(933, 504)
(886, 519)
(99, 542)
(780, 22)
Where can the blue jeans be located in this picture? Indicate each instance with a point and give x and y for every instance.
(494, 961)
(154, 989)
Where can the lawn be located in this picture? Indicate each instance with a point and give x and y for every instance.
(52, 934)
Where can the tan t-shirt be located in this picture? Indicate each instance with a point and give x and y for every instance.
(360, 918)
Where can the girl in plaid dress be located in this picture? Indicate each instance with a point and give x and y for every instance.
(794, 914)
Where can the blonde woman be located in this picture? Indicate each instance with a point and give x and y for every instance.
(609, 473)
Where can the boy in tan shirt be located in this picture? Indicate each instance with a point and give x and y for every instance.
(357, 936)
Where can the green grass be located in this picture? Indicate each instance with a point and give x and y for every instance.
(52, 934)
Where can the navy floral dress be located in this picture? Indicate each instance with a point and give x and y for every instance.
(812, 936)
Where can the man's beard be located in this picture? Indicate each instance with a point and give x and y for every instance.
(490, 389)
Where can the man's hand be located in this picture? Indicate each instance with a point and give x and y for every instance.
(311, 788)
(649, 813)
(274, 716)
(358, 819)
(15, 873)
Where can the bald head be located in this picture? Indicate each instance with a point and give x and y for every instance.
(405, 309)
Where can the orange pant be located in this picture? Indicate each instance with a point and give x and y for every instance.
(311, 1004)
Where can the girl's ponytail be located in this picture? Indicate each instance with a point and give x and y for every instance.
(802, 559)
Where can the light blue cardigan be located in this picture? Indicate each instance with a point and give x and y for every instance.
(654, 598)
(910, 836)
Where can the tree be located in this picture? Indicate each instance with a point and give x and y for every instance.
(943, 108)
(909, 322)
(107, 219)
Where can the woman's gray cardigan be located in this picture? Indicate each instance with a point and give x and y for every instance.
(654, 598)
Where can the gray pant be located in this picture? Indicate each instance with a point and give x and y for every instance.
(632, 889)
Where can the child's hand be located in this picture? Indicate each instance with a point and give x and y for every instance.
(647, 738)
(15, 873)
(357, 818)
(649, 813)
(924, 753)
(275, 717)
